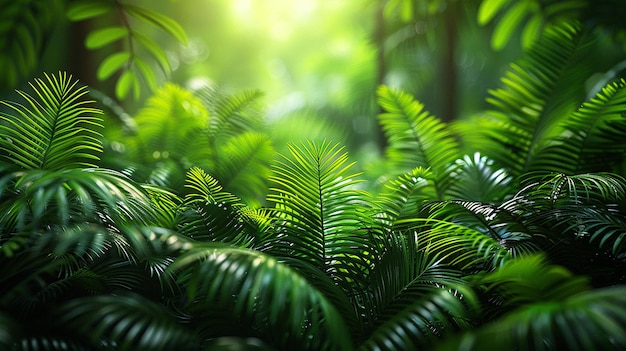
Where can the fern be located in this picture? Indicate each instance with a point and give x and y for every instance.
(257, 295)
(538, 95)
(594, 135)
(214, 214)
(538, 16)
(320, 218)
(413, 298)
(53, 129)
(416, 139)
(244, 165)
(553, 309)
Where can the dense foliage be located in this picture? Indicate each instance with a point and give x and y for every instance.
(180, 228)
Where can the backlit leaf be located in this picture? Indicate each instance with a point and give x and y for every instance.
(84, 10)
(113, 63)
(160, 20)
(101, 37)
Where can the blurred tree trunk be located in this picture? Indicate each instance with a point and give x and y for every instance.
(449, 68)
(82, 63)
(381, 66)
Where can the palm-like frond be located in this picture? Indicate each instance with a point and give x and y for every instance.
(459, 245)
(573, 219)
(476, 178)
(243, 165)
(585, 214)
(124, 322)
(552, 310)
(530, 279)
(414, 298)
(214, 214)
(231, 115)
(257, 296)
(54, 129)
(404, 196)
(595, 133)
(170, 136)
(538, 94)
(416, 139)
(320, 217)
(504, 223)
(35, 199)
(173, 121)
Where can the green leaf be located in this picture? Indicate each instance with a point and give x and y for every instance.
(159, 20)
(101, 37)
(507, 25)
(147, 73)
(154, 49)
(112, 63)
(128, 82)
(488, 9)
(532, 31)
(79, 11)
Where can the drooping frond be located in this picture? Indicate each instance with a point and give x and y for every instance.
(539, 92)
(414, 298)
(320, 217)
(587, 207)
(231, 114)
(594, 138)
(55, 128)
(255, 295)
(476, 178)
(173, 124)
(243, 165)
(459, 245)
(124, 322)
(213, 214)
(548, 309)
(404, 196)
(35, 199)
(416, 139)
(503, 224)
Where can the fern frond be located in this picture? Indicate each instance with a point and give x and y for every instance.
(320, 217)
(214, 214)
(36, 199)
(231, 114)
(414, 297)
(538, 94)
(104, 319)
(172, 125)
(54, 129)
(405, 195)
(503, 223)
(416, 139)
(476, 178)
(554, 310)
(258, 296)
(459, 245)
(594, 135)
(584, 207)
(243, 165)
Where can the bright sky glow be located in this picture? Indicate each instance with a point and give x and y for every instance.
(276, 17)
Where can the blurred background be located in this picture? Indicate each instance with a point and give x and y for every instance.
(318, 62)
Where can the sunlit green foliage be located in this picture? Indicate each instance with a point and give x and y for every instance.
(178, 227)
